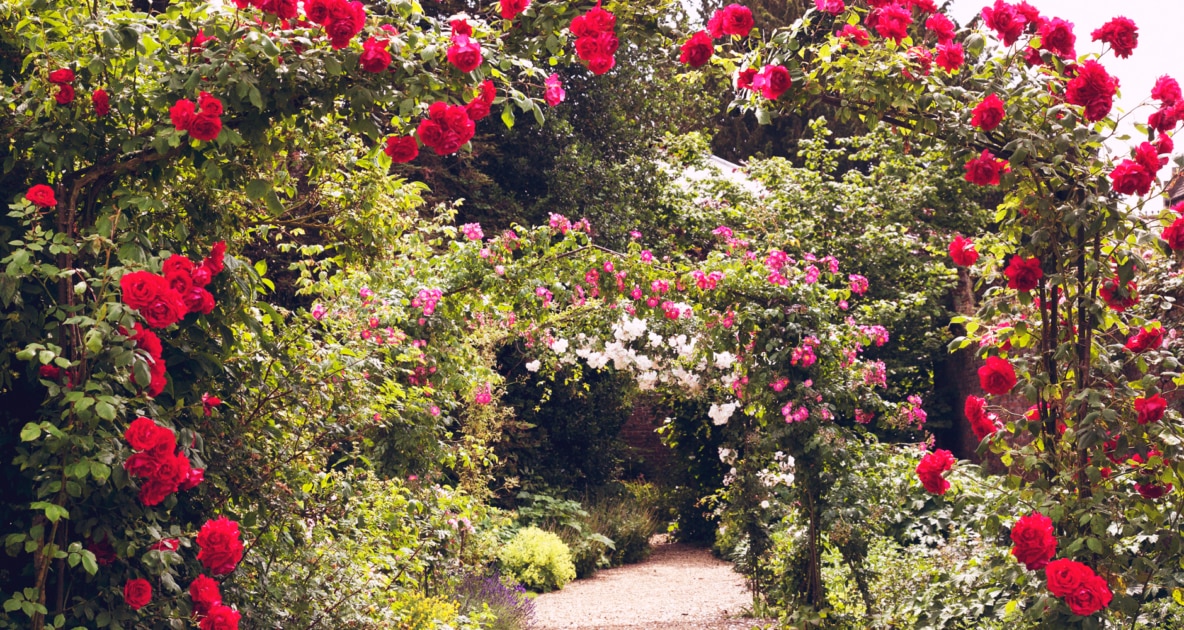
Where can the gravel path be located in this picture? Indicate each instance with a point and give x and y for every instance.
(678, 588)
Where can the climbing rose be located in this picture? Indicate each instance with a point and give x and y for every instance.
(181, 113)
(510, 9)
(950, 57)
(193, 478)
(205, 594)
(1084, 591)
(595, 41)
(137, 593)
(989, 113)
(1005, 20)
(1122, 35)
(1093, 88)
(985, 169)
(1150, 409)
(833, 7)
(942, 27)
(981, 422)
(342, 19)
(375, 56)
(1146, 339)
(1023, 274)
(772, 82)
(1166, 90)
(167, 544)
(140, 288)
(891, 22)
(41, 195)
(855, 34)
(478, 108)
(1034, 541)
(930, 469)
(464, 53)
(65, 94)
(733, 19)
(220, 617)
(143, 434)
(997, 376)
(553, 91)
(220, 546)
(697, 50)
(205, 128)
(61, 76)
(446, 129)
(461, 27)
(401, 148)
(1056, 36)
(1114, 296)
(1065, 576)
(962, 251)
(101, 102)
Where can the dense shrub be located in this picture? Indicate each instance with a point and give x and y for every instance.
(537, 559)
(500, 607)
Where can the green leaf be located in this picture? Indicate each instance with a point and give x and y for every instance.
(89, 563)
(105, 410)
(30, 432)
(256, 188)
(508, 117)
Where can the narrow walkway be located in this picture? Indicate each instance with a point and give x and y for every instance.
(678, 588)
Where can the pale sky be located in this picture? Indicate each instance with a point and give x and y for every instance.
(1161, 39)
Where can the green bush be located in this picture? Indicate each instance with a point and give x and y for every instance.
(629, 519)
(538, 559)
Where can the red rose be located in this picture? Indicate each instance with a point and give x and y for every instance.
(137, 593)
(962, 251)
(1166, 90)
(930, 470)
(205, 594)
(1023, 274)
(221, 549)
(834, 7)
(215, 261)
(1034, 542)
(461, 27)
(144, 434)
(1151, 409)
(343, 21)
(198, 300)
(950, 57)
(598, 46)
(1056, 36)
(1093, 595)
(985, 169)
(170, 471)
(209, 105)
(733, 19)
(697, 50)
(202, 275)
(1065, 576)
(179, 281)
(997, 376)
(447, 128)
(147, 341)
(101, 102)
(942, 27)
(1174, 234)
(855, 34)
(401, 148)
(1005, 20)
(104, 553)
(165, 309)
(140, 288)
(205, 128)
(220, 618)
(167, 544)
(182, 114)
(602, 64)
(61, 76)
(193, 478)
(49, 372)
(988, 114)
(478, 108)
(1122, 35)
(772, 82)
(891, 22)
(157, 385)
(981, 422)
(511, 9)
(177, 264)
(1152, 491)
(596, 20)
(553, 91)
(375, 56)
(464, 53)
(1119, 299)
(1130, 178)
(1146, 339)
(1093, 88)
(41, 195)
(65, 94)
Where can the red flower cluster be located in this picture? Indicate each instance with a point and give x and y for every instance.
(41, 195)
(834, 7)
(375, 56)
(464, 52)
(207, 606)
(62, 78)
(1056, 36)
(553, 91)
(164, 300)
(930, 470)
(982, 422)
(478, 108)
(147, 341)
(733, 19)
(997, 376)
(1009, 21)
(401, 148)
(203, 121)
(985, 169)
(341, 19)
(950, 57)
(891, 21)
(1146, 339)
(446, 129)
(221, 548)
(163, 470)
(511, 9)
(697, 50)
(1134, 177)
(1171, 111)
(1034, 541)
(942, 27)
(1122, 35)
(1118, 297)
(855, 34)
(772, 82)
(1149, 486)
(101, 102)
(596, 42)
(1083, 590)
(1023, 274)
(1150, 409)
(1174, 234)
(1093, 88)
(137, 593)
(988, 113)
(962, 251)
(220, 618)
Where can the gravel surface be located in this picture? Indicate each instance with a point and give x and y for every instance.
(678, 588)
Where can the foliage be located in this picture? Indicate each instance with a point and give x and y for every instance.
(537, 559)
(489, 597)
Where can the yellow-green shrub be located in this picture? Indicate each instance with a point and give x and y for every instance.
(538, 559)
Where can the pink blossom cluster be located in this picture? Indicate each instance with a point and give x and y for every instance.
(427, 299)
(859, 284)
(876, 373)
(706, 281)
(795, 414)
(804, 354)
(472, 231)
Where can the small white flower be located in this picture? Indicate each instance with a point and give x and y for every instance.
(725, 454)
(655, 340)
(560, 346)
(534, 366)
(720, 413)
(643, 362)
(646, 381)
(765, 504)
(724, 360)
(597, 360)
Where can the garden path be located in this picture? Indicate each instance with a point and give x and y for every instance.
(678, 588)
